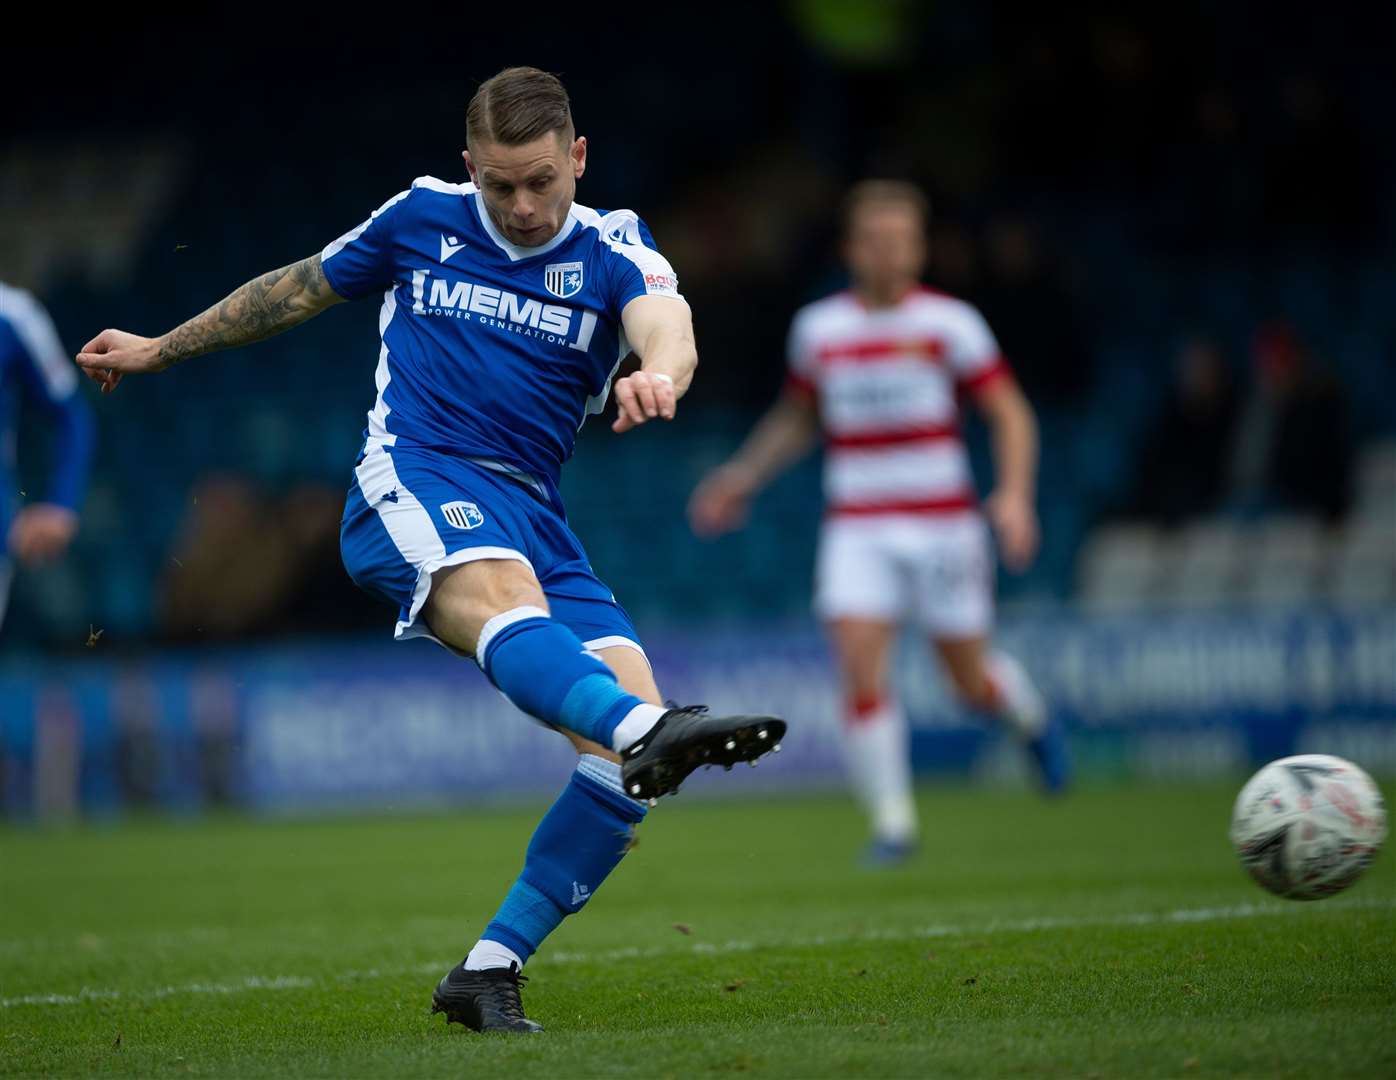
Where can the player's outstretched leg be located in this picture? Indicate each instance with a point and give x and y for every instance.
(995, 683)
(1021, 706)
(580, 840)
(543, 668)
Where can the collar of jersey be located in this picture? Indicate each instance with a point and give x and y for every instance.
(517, 251)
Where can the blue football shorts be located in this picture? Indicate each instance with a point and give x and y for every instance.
(411, 512)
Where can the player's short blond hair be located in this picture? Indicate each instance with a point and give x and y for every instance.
(516, 106)
(884, 192)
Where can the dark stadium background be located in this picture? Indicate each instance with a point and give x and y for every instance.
(1181, 223)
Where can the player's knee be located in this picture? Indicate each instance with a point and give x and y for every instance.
(464, 598)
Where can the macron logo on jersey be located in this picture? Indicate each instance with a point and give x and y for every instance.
(449, 246)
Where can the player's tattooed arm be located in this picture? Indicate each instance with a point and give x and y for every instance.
(262, 308)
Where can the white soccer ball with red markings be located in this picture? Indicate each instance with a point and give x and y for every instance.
(1306, 827)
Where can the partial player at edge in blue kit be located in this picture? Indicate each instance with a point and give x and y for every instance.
(506, 312)
(34, 371)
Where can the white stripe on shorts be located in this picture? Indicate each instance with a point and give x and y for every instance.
(415, 536)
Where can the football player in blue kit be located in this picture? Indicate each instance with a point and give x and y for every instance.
(34, 369)
(506, 311)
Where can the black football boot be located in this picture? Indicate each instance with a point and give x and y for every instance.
(685, 739)
(485, 1000)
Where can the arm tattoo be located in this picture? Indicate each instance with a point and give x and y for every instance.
(265, 306)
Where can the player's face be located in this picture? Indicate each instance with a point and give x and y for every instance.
(528, 189)
(886, 246)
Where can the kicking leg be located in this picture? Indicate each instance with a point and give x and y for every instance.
(495, 609)
(876, 739)
(993, 682)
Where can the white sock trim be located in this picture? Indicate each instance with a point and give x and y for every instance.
(499, 622)
(636, 725)
(606, 773)
(491, 954)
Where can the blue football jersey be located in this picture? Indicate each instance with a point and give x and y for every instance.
(491, 350)
(37, 370)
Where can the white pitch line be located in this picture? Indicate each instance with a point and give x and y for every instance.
(86, 994)
(1180, 916)
(997, 926)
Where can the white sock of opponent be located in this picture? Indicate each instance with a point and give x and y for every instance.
(1019, 703)
(877, 743)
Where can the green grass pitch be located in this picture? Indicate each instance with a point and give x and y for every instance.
(1111, 934)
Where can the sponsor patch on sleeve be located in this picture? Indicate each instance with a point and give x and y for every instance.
(661, 285)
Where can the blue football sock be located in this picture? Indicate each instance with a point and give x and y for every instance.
(580, 840)
(544, 669)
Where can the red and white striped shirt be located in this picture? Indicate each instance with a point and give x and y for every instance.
(886, 382)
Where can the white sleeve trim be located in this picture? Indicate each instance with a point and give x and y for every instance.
(431, 183)
(334, 247)
(620, 231)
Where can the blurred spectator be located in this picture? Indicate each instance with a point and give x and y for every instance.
(1316, 180)
(250, 563)
(1294, 450)
(1183, 469)
(1034, 315)
(1127, 102)
(1219, 192)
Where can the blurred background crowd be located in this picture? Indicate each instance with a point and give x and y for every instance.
(1180, 222)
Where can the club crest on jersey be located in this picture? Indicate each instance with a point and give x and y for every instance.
(563, 279)
(463, 515)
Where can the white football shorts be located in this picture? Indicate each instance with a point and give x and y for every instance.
(936, 572)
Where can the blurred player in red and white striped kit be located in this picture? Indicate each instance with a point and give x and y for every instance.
(879, 368)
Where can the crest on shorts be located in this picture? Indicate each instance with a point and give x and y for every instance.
(463, 515)
(563, 279)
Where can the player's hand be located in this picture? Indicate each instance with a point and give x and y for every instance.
(721, 501)
(641, 397)
(41, 532)
(1015, 522)
(114, 353)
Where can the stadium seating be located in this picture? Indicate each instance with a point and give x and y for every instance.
(1121, 569)
(1363, 570)
(1273, 563)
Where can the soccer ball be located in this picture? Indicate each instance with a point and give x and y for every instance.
(1306, 827)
